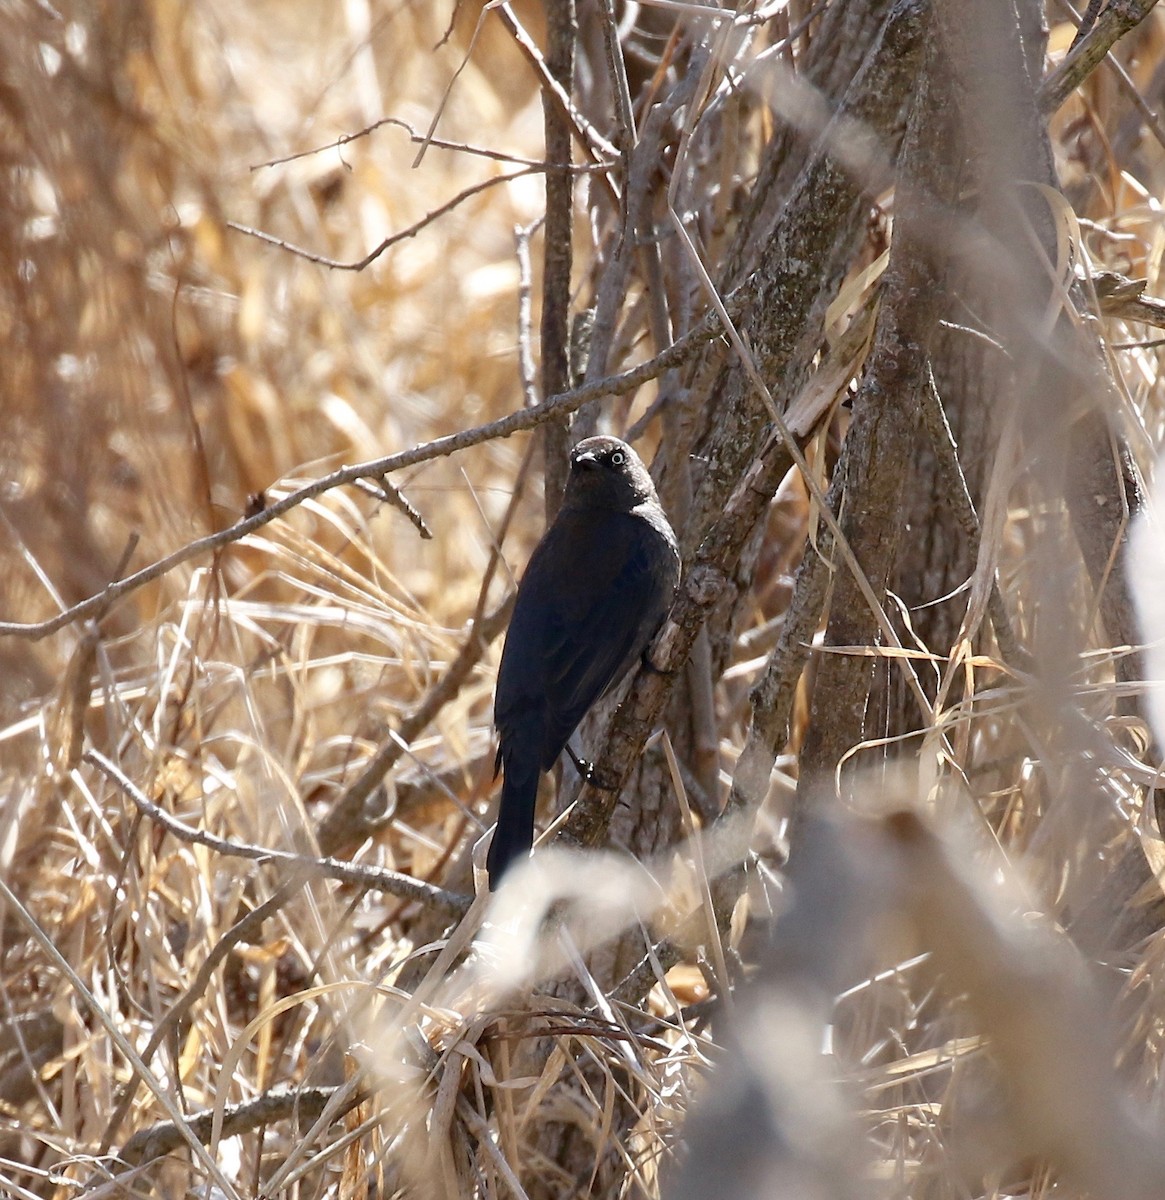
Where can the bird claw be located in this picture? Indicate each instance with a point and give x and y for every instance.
(581, 765)
(587, 771)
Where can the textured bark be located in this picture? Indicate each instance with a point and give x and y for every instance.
(936, 558)
(882, 437)
(803, 263)
(802, 267)
(832, 61)
(558, 233)
(1067, 414)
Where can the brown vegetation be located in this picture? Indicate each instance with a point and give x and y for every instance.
(300, 308)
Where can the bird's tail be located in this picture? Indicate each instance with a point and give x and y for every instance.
(514, 834)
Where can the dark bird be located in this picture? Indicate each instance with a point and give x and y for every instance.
(595, 593)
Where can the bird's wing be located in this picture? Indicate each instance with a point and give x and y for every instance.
(608, 602)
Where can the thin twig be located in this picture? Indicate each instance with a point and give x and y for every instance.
(390, 750)
(391, 495)
(373, 878)
(958, 496)
(1113, 23)
(419, 139)
(588, 136)
(503, 427)
(337, 265)
(617, 69)
(526, 369)
(279, 1104)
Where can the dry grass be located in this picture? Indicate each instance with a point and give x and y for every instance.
(162, 368)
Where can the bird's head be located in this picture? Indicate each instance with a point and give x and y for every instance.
(606, 473)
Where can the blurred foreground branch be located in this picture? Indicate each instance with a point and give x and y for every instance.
(1046, 1029)
(1044, 1020)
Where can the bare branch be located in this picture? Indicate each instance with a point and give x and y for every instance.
(517, 422)
(419, 139)
(374, 878)
(1114, 23)
(278, 1104)
(390, 750)
(557, 247)
(412, 231)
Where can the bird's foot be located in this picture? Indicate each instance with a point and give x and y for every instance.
(587, 771)
(581, 765)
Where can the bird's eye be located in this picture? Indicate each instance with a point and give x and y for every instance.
(618, 458)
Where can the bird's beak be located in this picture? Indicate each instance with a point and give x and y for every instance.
(585, 460)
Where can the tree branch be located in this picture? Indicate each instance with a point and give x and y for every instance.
(557, 247)
(882, 436)
(516, 422)
(373, 878)
(1117, 19)
(279, 1104)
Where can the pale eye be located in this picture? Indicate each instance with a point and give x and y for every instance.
(618, 458)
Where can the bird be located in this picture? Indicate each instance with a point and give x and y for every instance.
(595, 593)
